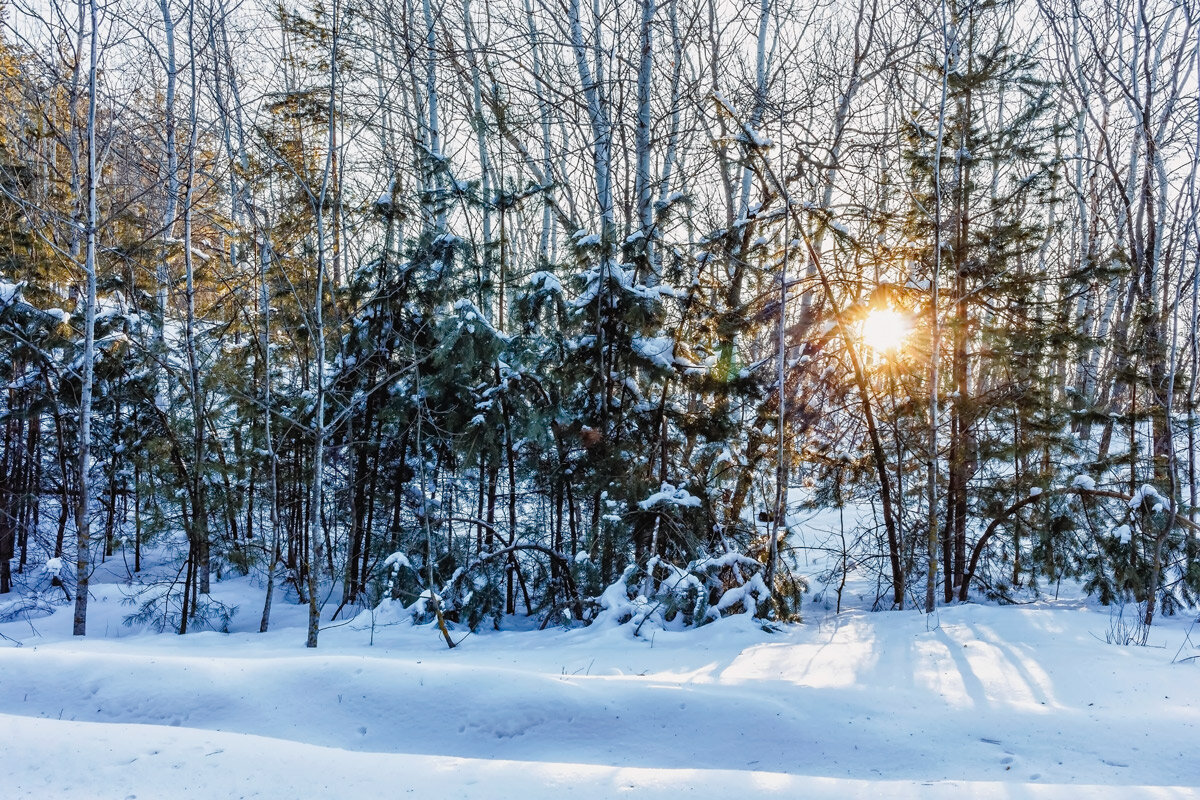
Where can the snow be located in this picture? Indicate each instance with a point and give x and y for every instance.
(112, 305)
(545, 282)
(658, 350)
(1085, 482)
(9, 292)
(975, 701)
(757, 138)
(395, 561)
(754, 588)
(1146, 494)
(669, 495)
(470, 315)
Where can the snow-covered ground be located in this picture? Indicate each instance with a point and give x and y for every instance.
(977, 701)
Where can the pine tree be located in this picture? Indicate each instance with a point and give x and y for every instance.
(995, 205)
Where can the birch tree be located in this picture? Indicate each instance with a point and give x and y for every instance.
(83, 565)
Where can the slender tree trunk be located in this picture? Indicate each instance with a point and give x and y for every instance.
(931, 466)
(82, 504)
(198, 490)
(643, 189)
(273, 553)
(315, 535)
(485, 166)
(170, 208)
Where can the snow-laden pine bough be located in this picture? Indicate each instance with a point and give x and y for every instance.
(1145, 498)
(659, 594)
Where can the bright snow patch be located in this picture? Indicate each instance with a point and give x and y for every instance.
(545, 282)
(1085, 482)
(1146, 494)
(395, 561)
(658, 350)
(669, 495)
(9, 292)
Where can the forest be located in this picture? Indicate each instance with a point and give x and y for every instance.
(548, 308)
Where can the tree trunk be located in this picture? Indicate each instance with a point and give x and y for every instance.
(83, 493)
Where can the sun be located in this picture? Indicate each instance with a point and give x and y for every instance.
(885, 329)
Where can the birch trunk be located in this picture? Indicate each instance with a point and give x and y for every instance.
(82, 521)
(642, 182)
(315, 534)
(170, 207)
(931, 464)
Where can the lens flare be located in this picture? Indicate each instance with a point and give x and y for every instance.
(885, 329)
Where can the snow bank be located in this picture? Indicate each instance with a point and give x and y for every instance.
(975, 701)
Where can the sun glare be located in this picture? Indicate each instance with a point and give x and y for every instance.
(885, 330)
